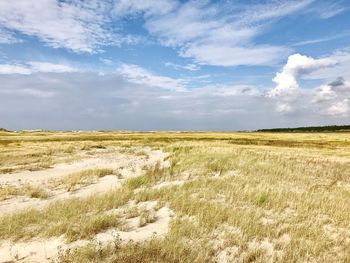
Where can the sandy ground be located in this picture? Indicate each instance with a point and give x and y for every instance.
(102, 161)
(128, 166)
(44, 250)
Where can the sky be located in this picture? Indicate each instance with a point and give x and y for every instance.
(174, 64)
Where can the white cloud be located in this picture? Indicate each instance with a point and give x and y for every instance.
(149, 7)
(274, 9)
(7, 38)
(137, 99)
(38, 93)
(330, 99)
(33, 67)
(284, 107)
(37, 66)
(221, 55)
(328, 9)
(190, 67)
(340, 108)
(138, 75)
(297, 65)
(324, 93)
(192, 26)
(211, 34)
(14, 69)
(341, 68)
(76, 25)
(343, 34)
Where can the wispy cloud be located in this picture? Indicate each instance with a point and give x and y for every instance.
(322, 39)
(81, 26)
(141, 76)
(211, 35)
(216, 55)
(149, 7)
(14, 69)
(192, 26)
(190, 67)
(270, 10)
(328, 9)
(7, 37)
(35, 66)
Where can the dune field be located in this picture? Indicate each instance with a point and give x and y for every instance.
(104, 196)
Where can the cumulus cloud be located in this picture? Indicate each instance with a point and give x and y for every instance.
(340, 108)
(342, 67)
(333, 98)
(297, 65)
(289, 97)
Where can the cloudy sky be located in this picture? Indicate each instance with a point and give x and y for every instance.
(174, 64)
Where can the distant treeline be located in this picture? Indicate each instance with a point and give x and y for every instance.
(331, 128)
(3, 129)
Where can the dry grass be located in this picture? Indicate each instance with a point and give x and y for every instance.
(82, 178)
(30, 191)
(74, 218)
(250, 197)
(147, 217)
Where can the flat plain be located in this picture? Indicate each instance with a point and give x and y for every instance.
(108, 196)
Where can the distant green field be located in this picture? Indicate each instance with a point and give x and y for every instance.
(332, 128)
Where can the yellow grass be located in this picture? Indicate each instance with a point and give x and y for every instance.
(249, 197)
(78, 179)
(7, 192)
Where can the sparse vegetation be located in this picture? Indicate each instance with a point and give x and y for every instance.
(146, 217)
(30, 191)
(137, 182)
(74, 218)
(73, 181)
(246, 197)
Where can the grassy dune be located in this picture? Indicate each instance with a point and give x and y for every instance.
(244, 197)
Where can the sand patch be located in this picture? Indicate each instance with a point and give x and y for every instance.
(103, 161)
(127, 165)
(48, 249)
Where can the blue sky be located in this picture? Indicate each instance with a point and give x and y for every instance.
(174, 65)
